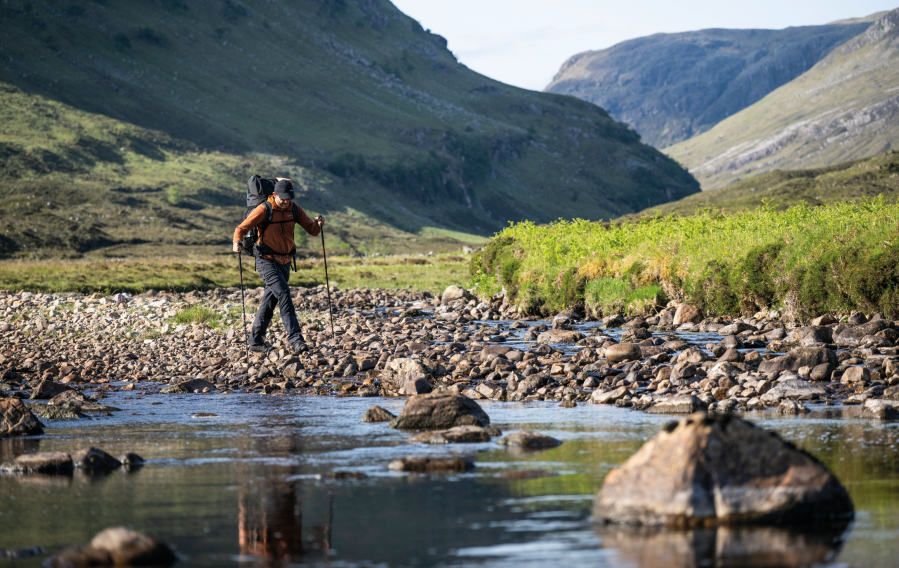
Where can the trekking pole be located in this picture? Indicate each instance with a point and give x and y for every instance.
(243, 307)
(327, 283)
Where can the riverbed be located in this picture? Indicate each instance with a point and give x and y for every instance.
(300, 481)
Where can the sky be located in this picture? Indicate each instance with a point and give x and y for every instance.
(524, 42)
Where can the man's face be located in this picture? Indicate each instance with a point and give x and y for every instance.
(280, 202)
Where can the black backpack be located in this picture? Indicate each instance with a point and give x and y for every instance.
(259, 189)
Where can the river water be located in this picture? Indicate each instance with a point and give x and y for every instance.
(255, 486)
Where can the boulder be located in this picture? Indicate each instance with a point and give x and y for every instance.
(687, 313)
(856, 375)
(795, 389)
(116, 546)
(404, 370)
(879, 409)
(440, 409)
(711, 469)
(94, 460)
(431, 465)
(609, 397)
(48, 389)
(826, 319)
(891, 393)
(693, 355)
(845, 334)
(40, 462)
(682, 404)
(623, 352)
(789, 406)
(809, 336)
(452, 293)
(416, 386)
(528, 440)
(560, 336)
(194, 385)
(17, 420)
(799, 357)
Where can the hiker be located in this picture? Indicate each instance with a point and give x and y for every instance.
(276, 248)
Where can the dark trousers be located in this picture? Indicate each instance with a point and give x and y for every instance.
(275, 277)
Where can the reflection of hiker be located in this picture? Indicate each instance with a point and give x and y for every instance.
(274, 250)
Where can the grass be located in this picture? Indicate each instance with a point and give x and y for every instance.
(140, 124)
(832, 258)
(198, 314)
(856, 179)
(197, 273)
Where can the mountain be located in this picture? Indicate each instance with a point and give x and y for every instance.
(846, 107)
(134, 125)
(670, 87)
(857, 179)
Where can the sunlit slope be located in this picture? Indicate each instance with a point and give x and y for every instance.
(843, 108)
(374, 111)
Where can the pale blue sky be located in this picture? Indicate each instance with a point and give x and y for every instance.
(523, 42)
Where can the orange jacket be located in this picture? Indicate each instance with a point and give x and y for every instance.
(279, 234)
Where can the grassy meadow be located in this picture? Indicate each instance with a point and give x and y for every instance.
(832, 258)
(183, 274)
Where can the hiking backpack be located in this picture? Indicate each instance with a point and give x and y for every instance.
(259, 189)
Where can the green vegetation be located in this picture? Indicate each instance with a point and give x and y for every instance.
(858, 179)
(143, 135)
(809, 260)
(834, 112)
(197, 272)
(198, 314)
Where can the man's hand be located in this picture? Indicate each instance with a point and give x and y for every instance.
(237, 247)
(320, 220)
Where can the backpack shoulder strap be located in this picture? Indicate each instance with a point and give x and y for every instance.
(269, 214)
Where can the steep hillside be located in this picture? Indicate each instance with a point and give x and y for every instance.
(858, 179)
(670, 87)
(140, 121)
(844, 108)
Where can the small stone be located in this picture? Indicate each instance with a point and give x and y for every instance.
(528, 440)
(687, 313)
(623, 352)
(554, 336)
(880, 410)
(377, 414)
(431, 465)
(609, 397)
(456, 435)
(131, 460)
(686, 404)
(203, 415)
(789, 406)
(94, 460)
(40, 462)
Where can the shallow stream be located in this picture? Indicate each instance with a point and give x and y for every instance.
(253, 486)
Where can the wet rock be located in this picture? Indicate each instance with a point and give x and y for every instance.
(94, 460)
(405, 370)
(440, 410)
(857, 318)
(687, 313)
(693, 355)
(881, 410)
(456, 435)
(131, 461)
(56, 412)
(195, 385)
(377, 414)
(48, 389)
(418, 386)
(731, 356)
(789, 406)
(40, 462)
(528, 440)
(795, 389)
(116, 546)
(431, 465)
(17, 420)
(623, 352)
(711, 469)
(855, 334)
(559, 336)
(856, 375)
(684, 404)
(799, 357)
(821, 372)
(609, 397)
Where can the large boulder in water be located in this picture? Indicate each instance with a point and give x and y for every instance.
(709, 470)
(115, 546)
(17, 420)
(798, 358)
(440, 409)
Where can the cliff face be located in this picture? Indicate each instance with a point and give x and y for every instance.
(671, 87)
(846, 107)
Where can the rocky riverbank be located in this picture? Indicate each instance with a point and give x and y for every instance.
(71, 348)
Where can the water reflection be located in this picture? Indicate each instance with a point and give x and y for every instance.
(724, 547)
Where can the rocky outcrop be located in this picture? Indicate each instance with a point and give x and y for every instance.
(17, 420)
(720, 470)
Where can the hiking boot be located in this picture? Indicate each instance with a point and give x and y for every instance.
(299, 347)
(260, 348)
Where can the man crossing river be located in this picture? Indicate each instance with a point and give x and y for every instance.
(276, 248)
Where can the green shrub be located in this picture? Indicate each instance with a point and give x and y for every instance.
(606, 296)
(645, 300)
